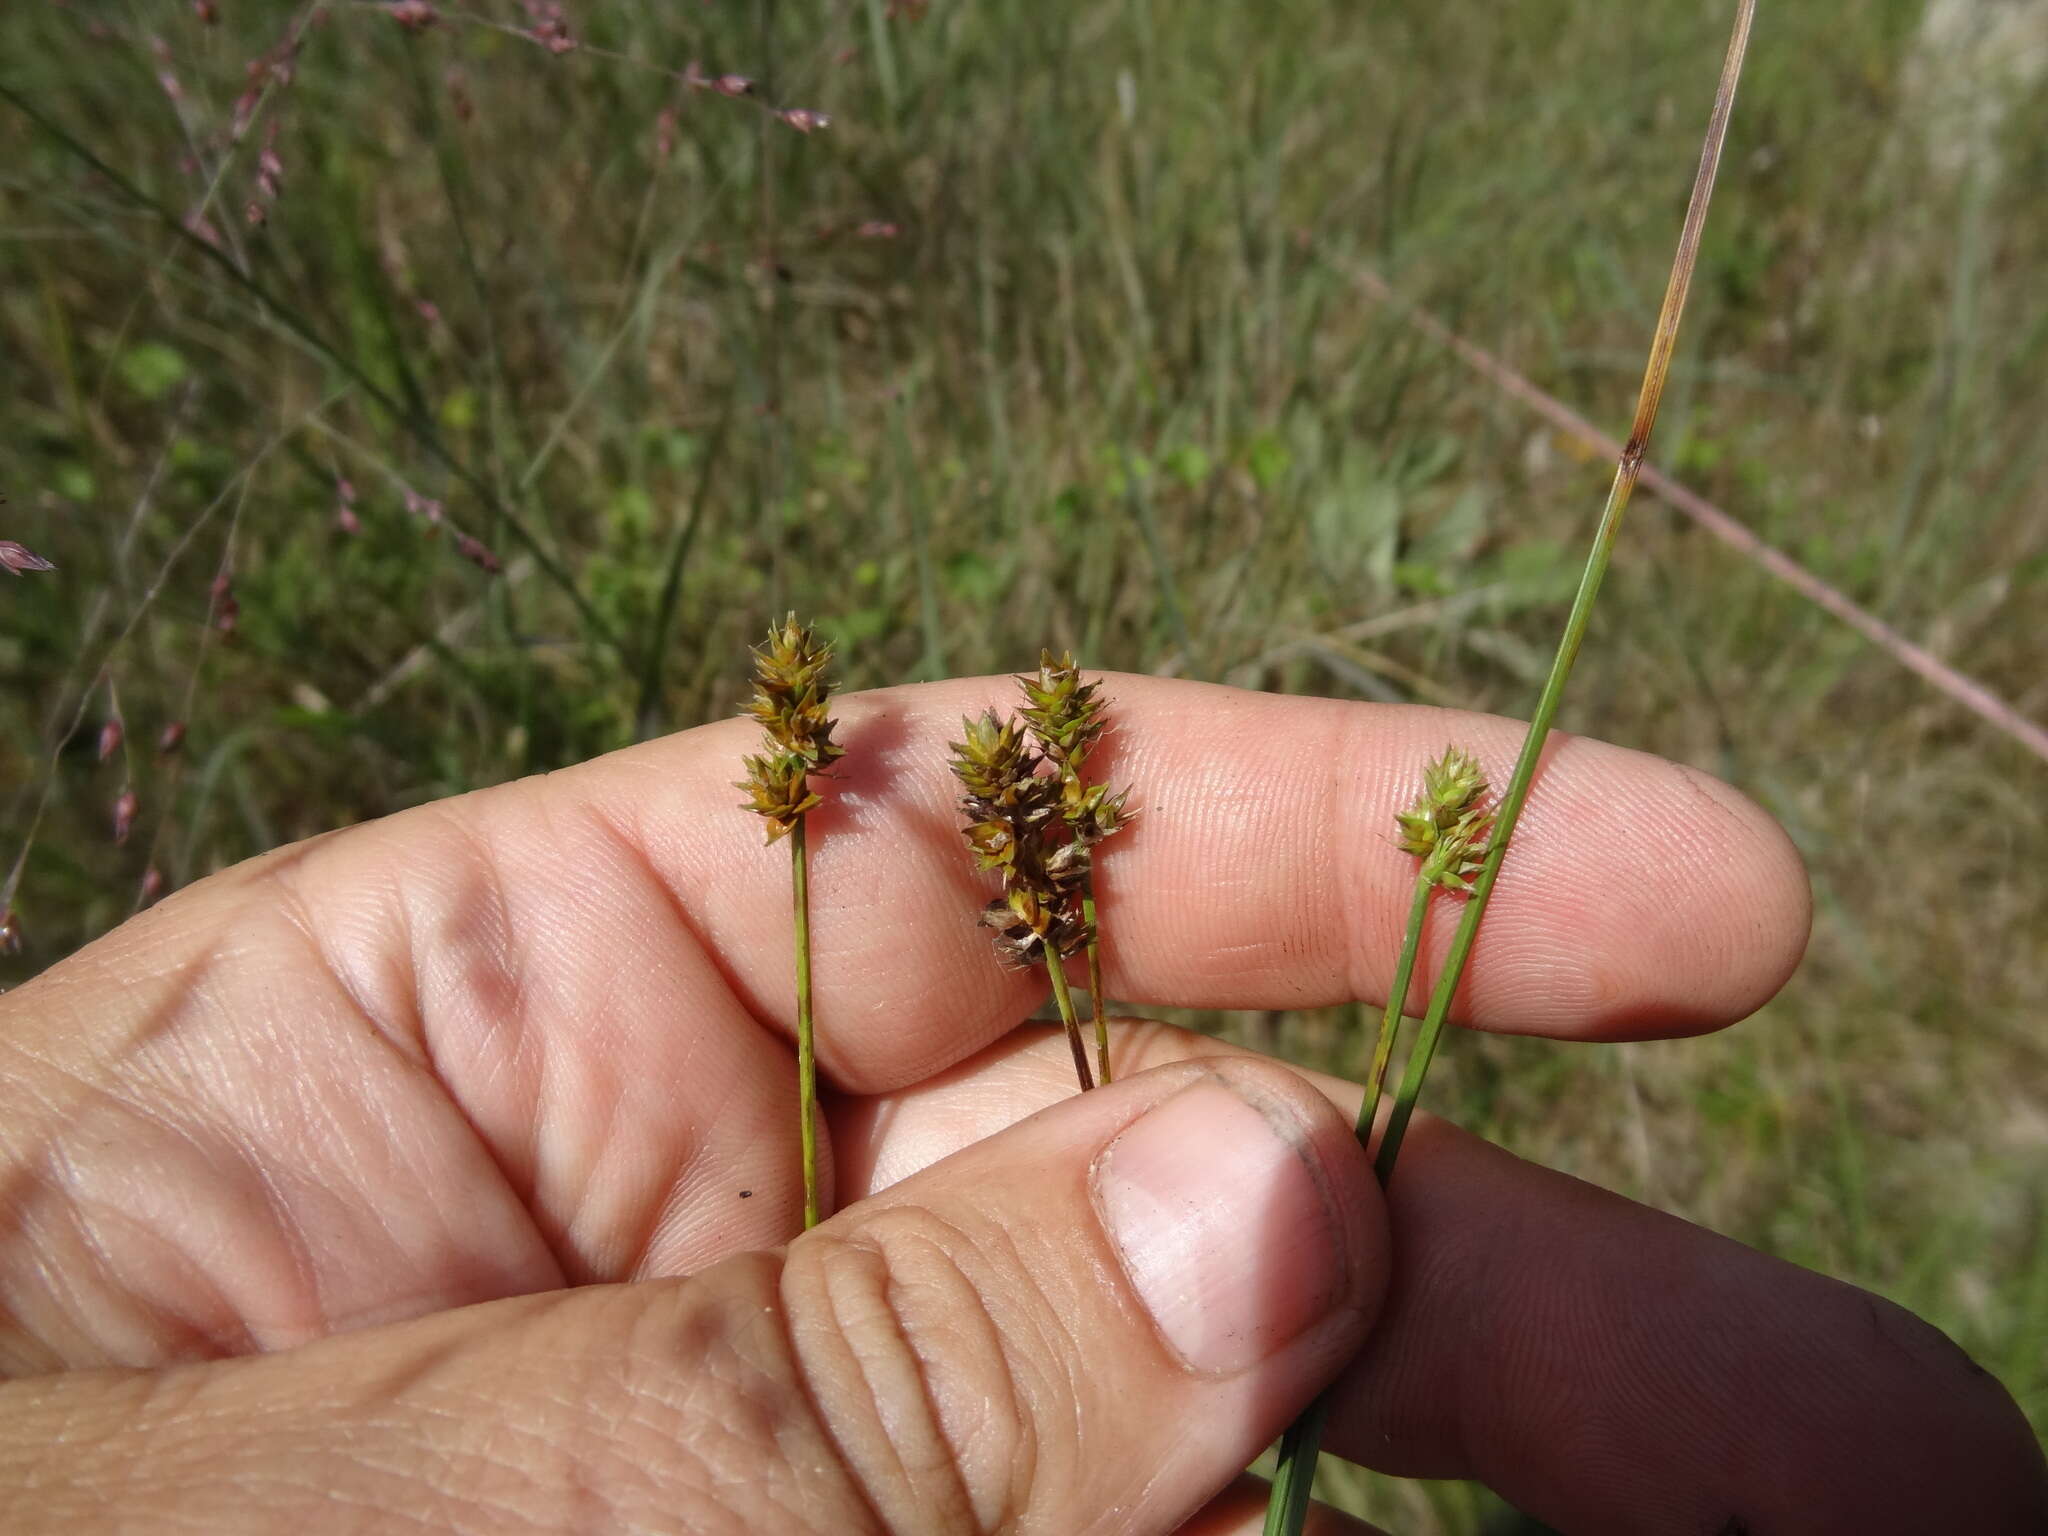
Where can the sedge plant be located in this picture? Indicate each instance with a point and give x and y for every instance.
(791, 687)
(1066, 720)
(1018, 826)
(1477, 870)
(1445, 828)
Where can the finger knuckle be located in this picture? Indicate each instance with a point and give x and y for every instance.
(704, 1410)
(945, 1418)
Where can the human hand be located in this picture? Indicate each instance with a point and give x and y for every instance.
(442, 1172)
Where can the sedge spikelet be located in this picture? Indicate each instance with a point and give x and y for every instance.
(1016, 827)
(1067, 719)
(791, 690)
(1445, 827)
(790, 693)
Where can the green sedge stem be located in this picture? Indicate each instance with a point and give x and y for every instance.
(1288, 1506)
(1071, 772)
(1095, 990)
(1397, 1001)
(806, 1039)
(1057, 971)
(1294, 1478)
(1296, 1472)
(1510, 810)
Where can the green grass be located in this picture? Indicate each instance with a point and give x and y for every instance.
(1112, 386)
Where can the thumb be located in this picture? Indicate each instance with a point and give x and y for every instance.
(1093, 1320)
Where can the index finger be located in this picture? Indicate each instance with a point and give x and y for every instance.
(1641, 899)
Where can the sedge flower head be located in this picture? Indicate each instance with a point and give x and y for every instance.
(1064, 714)
(791, 690)
(1014, 826)
(1446, 826)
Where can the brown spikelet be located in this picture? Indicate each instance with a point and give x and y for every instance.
(1013, 827)
(1067, 720)
(1016, 825)
(1063, 712)
(791, 690)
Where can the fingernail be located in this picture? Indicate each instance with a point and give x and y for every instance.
(1222, 1222)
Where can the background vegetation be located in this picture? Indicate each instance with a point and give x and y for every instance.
(1056, 333)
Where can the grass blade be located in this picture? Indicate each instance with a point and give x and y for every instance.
(651, 668)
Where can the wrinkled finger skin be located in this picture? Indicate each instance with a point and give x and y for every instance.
(962, 1353)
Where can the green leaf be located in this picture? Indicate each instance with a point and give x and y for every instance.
(1355, 525)
(1451, 537)
(1420, 579)
(152, 369)
(975, 579)
(1120, 468)
(1069, 508)
(74, 482)
(1187, 464)
(458, 411)
(1268, 460)
(1536, 573)
(630, 512)
(1426, 460)
(850, 629)
(679, 450)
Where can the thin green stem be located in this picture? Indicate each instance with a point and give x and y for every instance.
(1295, 1476)
(1397, 1000)
(1056, 969)
(1071, 772)
(1288, 1505)
(1102, 1073)
(1625, 474)
(806, 1041)
(1296, 1471)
